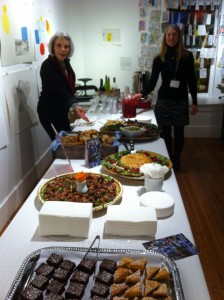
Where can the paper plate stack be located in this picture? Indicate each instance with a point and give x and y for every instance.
(162, 202)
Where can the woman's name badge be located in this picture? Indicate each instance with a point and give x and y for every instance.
(174, 84)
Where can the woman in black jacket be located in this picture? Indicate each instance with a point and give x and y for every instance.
(176, 66)
(58, 86)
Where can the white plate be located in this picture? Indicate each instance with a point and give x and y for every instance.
(143, 119)
(162, 202)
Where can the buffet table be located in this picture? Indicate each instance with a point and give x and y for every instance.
(21, 237)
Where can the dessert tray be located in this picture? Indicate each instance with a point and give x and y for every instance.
(27, 271)
(112, 164)
(107, 190)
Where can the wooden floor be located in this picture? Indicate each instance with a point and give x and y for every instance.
(201, 182)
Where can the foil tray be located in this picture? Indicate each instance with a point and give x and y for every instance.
(31, 262)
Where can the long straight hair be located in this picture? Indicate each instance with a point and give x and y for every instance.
(180, 49)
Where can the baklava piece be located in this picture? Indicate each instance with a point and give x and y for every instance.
(104, 277)
(87, 265)
(125, 261)
(163, 274)
(118, 289)
(40, 282)
(108, 265)
(68, 265)
(45, 270)
(56, 287)
(100, 289)
(80, 277)
(120, 274)
(134, 291)
(139, 264)
(133, 278)
(75, 291)
(151, 272)
(150, 287)
(162, 291)
(55, 260)
(61, 275)
(31, 293)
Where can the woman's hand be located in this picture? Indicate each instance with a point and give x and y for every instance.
(194, 109)
(137, 97)
(80, 112)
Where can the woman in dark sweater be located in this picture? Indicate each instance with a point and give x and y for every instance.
(176, 66)
(58, 86)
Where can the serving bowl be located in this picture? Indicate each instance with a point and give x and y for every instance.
(132, 131)
(143, 119)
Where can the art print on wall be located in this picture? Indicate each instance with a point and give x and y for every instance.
(21, 96)
(42, 32)
(16, 33)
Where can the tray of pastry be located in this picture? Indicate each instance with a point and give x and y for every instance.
(61, 273)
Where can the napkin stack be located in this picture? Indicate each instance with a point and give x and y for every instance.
(154, 170)
(131, 221)
(65, 218)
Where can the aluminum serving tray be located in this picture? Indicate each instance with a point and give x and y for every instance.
(26, 271)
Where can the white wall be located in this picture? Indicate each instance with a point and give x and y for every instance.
(27, 155)
(99, 60)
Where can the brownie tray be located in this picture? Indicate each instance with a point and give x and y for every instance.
(32, 261)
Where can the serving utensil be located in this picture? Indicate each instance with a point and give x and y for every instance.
(97, 237)
(62, 146)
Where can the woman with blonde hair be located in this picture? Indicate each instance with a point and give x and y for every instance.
(175, 64)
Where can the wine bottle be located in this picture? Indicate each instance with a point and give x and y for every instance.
(114, 84)
(101, 87)
(106, 83)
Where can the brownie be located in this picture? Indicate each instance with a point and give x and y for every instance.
(75, 291)
(40, 282)
(104, 277)
(53, 296)
(56, 287)
(61, 275)
(67, 265)
(99, 298)
(55, 260)
(31, 293)
(45, 270)
(100, 289)
(87, 265)
(108, 265)
(80, 276)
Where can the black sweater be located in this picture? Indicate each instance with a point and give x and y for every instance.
(58, 89)
(183, 72)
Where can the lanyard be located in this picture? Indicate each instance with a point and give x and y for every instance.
(171, 69)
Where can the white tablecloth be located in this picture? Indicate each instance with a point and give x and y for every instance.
(21, 237)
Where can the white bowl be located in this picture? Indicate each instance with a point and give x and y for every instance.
(132, 133)
(162, 202)
(144, 119)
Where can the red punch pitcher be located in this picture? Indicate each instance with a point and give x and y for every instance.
(129, 107)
